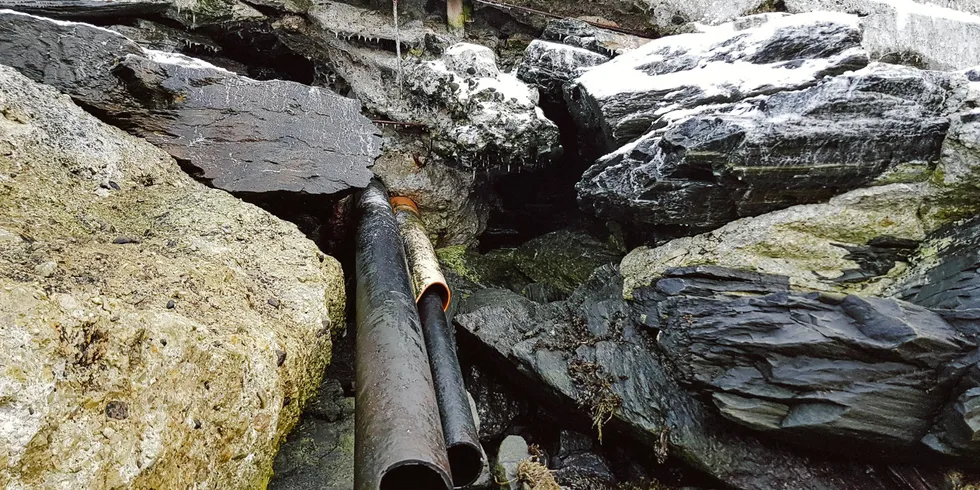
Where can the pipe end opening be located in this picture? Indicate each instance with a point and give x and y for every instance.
(465, 463)
(412, 476)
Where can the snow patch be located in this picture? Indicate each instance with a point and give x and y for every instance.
(63, 23)
(166, 58)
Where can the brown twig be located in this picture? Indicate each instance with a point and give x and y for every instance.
(494, 3)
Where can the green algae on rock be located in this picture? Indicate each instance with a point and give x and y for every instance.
(149, 354)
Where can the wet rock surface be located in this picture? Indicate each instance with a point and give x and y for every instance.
(635, 93)
(733, 161)
(242, 135)
(88, 8)
(872, 372)
(140, 342)
(319, 452)
(491, 119)
(830, 344)
(594, 350)
(939, 35)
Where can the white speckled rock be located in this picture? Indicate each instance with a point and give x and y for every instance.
(487, 119)
(179, 331)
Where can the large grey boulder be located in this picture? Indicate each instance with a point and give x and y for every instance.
(598, 351)
(155, 333)
(718, 164)
(820, 370)
(243, 135)
(860, 242)
(478, 117)
(454, 203)
(627, 97)
(935, 34)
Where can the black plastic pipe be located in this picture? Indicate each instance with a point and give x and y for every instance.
(398, 439)
(462, 439)
(432, 293)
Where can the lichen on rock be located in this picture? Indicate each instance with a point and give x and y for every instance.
(155, 333)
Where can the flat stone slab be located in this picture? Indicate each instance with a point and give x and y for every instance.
(243, 135)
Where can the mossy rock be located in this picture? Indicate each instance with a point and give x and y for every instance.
(165, 334)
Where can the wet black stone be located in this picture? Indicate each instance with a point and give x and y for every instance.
(238, 134)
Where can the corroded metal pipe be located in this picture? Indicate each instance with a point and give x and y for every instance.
(398, 439)
(432, 294)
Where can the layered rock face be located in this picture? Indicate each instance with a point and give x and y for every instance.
(243, 135)
(600, 352)
(711, 127)
(155, 333)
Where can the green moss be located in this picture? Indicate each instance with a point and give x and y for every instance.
(905, 173)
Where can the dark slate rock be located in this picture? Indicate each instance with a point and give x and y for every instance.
(957, 429)
(574, 32)
(598, 330)
(549, 66)
(769, 153)
(80, 9)
(160, 37)
(947, 277)
(634, 93)
(818, 369)
(243, 135)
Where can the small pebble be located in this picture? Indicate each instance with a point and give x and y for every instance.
(273, 302)
(171, 304)
(114, 318)
(117, 410)
(114, 185)
(280, 357)
(124, 240)
(46, 269)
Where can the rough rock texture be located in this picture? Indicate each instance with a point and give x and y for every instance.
(594, 350)
(490, 120)
(647, 16)
(549, 66)
(243, 135)
(552, 265)
(633, 94)
(773, 152)
(319, 452)
(579, 34)
(455, 204)
(859, 242)
(958, 170)
(160, 37)
(939, 35)
(819, 369)
(945, 277)
(89, 8)
(478, 117)
(154, 333)
(203, 13)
